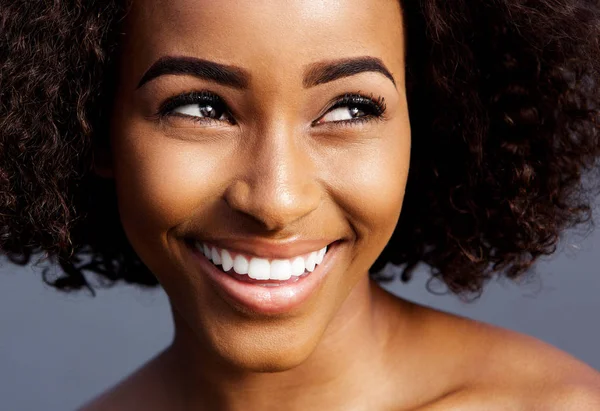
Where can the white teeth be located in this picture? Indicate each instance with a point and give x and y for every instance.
(215, 257)
(226, 260)
(240, 265)
(321, 254)
(281, 270)
(298, 266)
(261, 268)
(311, 261)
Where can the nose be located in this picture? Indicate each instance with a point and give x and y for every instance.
(276, 185)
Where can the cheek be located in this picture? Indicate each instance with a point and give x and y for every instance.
(375, 181)
(372, 189)
(161, 183)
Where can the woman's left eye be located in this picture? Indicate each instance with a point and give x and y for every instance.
(343, 113)
(353, 108)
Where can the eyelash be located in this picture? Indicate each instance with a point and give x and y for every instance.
(194, 97)
(374, 107)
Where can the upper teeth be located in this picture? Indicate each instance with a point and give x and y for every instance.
(262, 268)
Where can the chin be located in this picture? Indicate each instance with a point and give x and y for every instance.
(270, 364)
(265, 350)
(243, 340)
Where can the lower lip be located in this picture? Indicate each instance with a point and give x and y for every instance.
(272, 299)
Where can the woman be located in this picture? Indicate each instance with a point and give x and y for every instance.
(253, 158)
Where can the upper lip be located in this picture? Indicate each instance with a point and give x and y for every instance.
(282, 249)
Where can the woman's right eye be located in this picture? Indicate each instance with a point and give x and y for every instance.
(198, 106)
(202, 111)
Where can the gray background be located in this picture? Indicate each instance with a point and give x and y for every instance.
(57, 351)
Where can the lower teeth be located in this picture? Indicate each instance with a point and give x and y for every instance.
(268, 283)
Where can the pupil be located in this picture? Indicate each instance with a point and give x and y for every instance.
(355, 112)
(208, 111)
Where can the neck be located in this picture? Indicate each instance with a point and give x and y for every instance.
(353, 347)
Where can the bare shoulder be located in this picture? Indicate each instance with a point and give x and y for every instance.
(495, 368)
(123, 396)
(575, 397)
(142, 390)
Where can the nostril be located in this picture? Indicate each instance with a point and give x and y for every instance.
(273, 200)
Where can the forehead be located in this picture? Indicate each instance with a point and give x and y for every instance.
(261, 33)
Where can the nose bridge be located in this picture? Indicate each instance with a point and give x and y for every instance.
(277, 186)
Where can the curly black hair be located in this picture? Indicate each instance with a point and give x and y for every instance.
(504, 101)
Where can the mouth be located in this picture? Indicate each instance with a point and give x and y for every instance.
(263, 285)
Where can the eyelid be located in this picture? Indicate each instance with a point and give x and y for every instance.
(168, 106)
(348, 98)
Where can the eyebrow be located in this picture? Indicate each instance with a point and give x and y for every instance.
(324, 72)
(237, 77)
(231, 76)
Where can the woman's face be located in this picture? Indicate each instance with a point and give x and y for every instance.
(297, 137)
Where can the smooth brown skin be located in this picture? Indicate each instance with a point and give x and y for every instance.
(275, 175)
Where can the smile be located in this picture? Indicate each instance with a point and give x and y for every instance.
(262, 269)
(264, 285)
